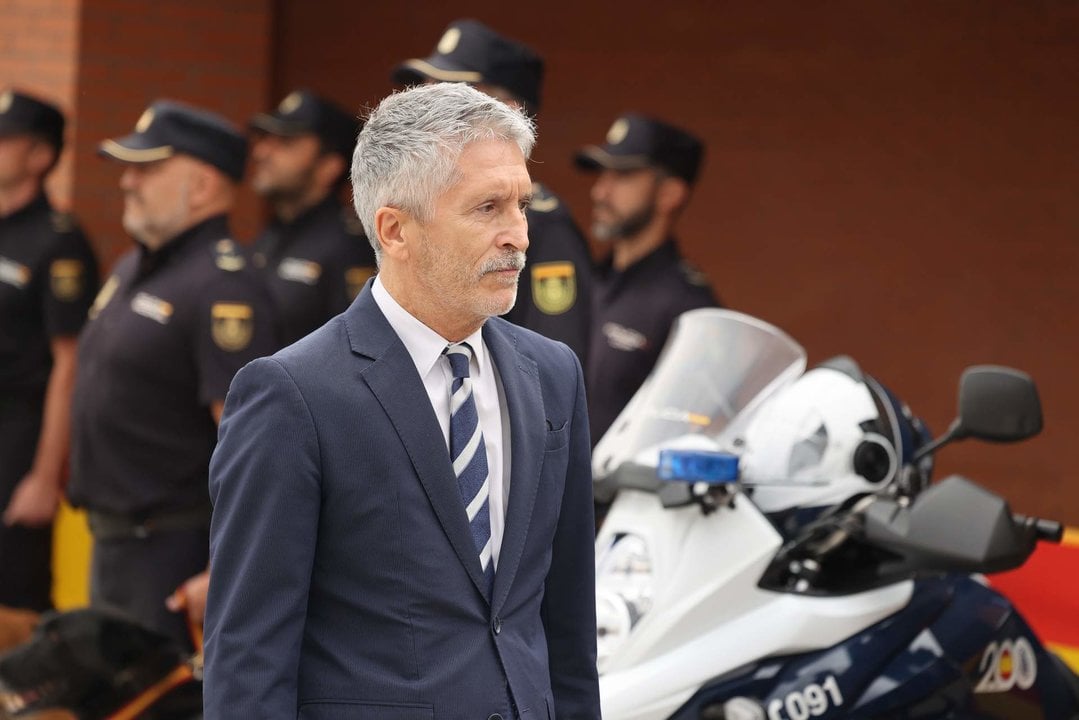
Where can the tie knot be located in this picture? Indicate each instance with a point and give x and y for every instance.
(459, 354)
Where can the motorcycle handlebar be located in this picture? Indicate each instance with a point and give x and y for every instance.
(1047, 530)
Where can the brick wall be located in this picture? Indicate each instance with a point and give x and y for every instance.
(38, 54)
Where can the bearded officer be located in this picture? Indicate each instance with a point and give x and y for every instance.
(556, 286)
(313, 256)
(180, 314)
(644, 177)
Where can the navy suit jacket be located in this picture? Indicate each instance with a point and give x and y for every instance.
(344, 579)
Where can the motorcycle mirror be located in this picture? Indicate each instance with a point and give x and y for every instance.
(996, 404)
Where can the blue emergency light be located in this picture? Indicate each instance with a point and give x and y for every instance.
(714, 468)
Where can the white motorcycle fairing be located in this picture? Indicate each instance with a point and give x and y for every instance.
(705, 570)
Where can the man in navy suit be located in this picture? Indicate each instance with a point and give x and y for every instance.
(402, 519)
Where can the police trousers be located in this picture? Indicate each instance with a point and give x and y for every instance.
(25, 553)
(135, 574)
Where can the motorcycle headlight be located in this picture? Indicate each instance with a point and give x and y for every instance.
(623, 592)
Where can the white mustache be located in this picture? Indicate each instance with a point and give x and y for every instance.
(513, 260)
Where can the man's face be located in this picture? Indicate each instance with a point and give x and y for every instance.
(283, 167)
(156, 199)
(16, 152)
(472, 250)
(623, 202)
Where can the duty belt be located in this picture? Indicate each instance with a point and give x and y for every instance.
(107, 526)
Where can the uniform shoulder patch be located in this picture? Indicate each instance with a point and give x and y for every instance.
(63, 222)
(543, 200)
(693, 274)
(232, 325)
(228, 257)
(67, 278)
(554, 287)
(353, 226)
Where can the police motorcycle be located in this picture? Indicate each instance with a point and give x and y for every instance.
(775, 550)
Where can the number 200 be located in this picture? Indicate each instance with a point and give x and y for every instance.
(811, 701)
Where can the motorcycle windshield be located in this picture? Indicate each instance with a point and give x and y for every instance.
(717, 367)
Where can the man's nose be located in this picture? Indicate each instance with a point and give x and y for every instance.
(129, 178)
(601, 188)
(516, 236)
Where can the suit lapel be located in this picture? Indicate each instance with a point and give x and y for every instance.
(528, 426)
(393, 379)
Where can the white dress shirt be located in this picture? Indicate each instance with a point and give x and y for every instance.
(426, 346)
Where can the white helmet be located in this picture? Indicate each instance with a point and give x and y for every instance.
(832, 434)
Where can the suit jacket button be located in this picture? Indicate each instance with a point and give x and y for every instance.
(496, 628)
(495, 716)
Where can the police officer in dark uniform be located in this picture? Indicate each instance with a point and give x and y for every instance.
(179, 315)
(48, 278)
(555, 295)
(646, 171)
(313, 256)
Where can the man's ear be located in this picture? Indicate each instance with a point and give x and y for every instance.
(395, 229)
(672, 194)
(204, 184)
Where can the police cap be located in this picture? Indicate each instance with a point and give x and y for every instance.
(168, 128)
(25, 114)
(635, 141)
(302, 112)
(471, 52)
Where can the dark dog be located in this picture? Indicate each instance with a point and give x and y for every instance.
(98, 665)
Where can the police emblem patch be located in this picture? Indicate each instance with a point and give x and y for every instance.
(145, 120)
(66, 279)
(355, 277)
(554, 287)
(232, 325)
(291, 103)
(618, 131)
(449, 40)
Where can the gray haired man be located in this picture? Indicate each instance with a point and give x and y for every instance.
(402, 500)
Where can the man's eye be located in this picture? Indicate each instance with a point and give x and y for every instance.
(524, 204)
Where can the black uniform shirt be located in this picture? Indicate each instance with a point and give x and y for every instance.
(554, 295)
(633, 312)
(314, 266)
(48, 278)
(167, 332)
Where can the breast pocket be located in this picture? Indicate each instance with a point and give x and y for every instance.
(557, 435)
(358, 710)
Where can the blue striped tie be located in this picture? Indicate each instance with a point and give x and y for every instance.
(469, 456)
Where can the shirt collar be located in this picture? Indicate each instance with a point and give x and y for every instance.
(424, 345)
